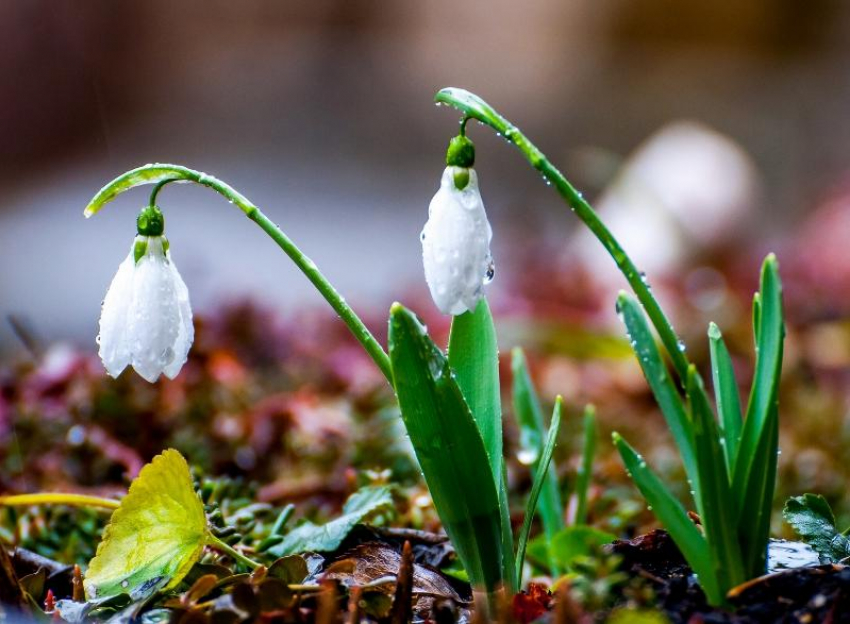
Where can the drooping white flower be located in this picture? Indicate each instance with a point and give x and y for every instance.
(146, 319)
(456, 244)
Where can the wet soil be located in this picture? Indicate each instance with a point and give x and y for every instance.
(804, 595)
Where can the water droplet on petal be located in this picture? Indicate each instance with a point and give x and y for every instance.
(490, 273)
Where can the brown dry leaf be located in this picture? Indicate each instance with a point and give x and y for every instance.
(373, 561)
(10, 591)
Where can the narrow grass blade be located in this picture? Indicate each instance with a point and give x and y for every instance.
(726, 395)
(755, 465)
(662, 385)
(449, 448)
(755, 513)
(537, 485)
(474, 357)
(674, 518)
(770, 336)
(529, 415)
(585, 470)
(509, 571)
(715, 504)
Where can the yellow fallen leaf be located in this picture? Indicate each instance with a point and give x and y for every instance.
(155, 537)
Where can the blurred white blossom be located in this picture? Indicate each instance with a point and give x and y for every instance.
(686, 191)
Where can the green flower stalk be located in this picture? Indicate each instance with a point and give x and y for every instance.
(161, 174)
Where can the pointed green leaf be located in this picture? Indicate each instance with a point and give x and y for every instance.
(755, 466)
(575, 542)
(662, 385)
(309, 537)
(449, 448)
(812, 519)
(155, 536)
(474, 357)
(770, 335)
(714, 503)
(532, 430)
(755, 513)
(585, 470)
(539, 480)
(726, 395)
(673, 517)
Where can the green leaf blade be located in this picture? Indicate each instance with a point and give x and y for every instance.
(755, 511)
(812, 519)
(573, 543)
(529, 416)
(662, 385)
(755, 466)
(473, 355)
(449, 448)
(309, 537)
(714, 502)
(539, 481)
(586, 468)
(726, 395)
(673, 516)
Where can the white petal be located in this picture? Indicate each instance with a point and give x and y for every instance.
(155, 314)
(114, 347)
(186, 332)
(456, 246)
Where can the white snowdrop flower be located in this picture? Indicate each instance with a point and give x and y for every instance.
(456, 243)
(146, 319)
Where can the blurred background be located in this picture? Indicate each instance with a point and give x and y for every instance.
(695, 126)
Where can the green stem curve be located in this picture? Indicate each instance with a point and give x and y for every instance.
(473, 107)
(226, 548)
(161, 174)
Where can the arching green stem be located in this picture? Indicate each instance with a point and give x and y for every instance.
(473, 107)
(161, 174)
(226, 548)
